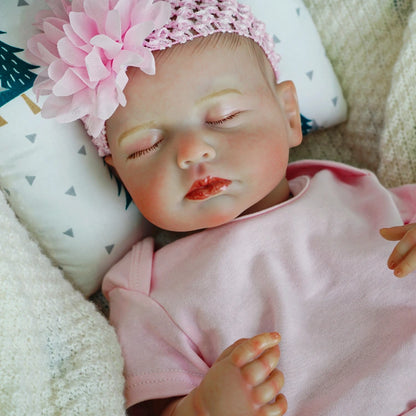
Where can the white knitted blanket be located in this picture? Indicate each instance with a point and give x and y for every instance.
(372, 46)
(58, 356)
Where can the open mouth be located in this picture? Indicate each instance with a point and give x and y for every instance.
(207, 187)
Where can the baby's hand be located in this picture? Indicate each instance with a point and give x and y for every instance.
(403, 258)
(244, 381)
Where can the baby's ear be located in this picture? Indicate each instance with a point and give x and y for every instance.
(286, 91)
(110, 163)
(109, 160)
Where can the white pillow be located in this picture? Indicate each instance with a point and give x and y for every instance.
(304, 61)
(64, 194)
(55, 181)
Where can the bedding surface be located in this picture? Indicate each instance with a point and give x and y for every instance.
(372, 47)
(58, 355)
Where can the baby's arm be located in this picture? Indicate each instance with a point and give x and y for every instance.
(403, 258)
(243, 381)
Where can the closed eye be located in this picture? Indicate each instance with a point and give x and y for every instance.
(222, 120)
(143, 152)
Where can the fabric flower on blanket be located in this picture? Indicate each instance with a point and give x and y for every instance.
(87, 46)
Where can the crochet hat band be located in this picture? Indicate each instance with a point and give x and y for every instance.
(86, 47)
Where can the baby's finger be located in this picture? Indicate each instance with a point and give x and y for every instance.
(403, 247)
(406, 265)
(278, 408)
(257, 371)
(253, 348)
(267, 391)
(230, 349)
(396, 233)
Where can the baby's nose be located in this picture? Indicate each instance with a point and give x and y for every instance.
(194, 149)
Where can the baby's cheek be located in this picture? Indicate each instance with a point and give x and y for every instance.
(155, 198)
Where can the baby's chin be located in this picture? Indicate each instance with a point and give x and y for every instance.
(192, 225)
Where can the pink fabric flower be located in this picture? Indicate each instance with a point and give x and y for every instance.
(86, 47)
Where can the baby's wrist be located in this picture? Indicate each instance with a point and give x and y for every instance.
(187, 406)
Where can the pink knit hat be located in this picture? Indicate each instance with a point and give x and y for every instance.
(86, 46)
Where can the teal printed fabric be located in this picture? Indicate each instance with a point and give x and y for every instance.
(16, 75)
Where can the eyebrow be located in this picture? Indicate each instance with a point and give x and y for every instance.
(152, 124)
(218, 94)
(135, 129)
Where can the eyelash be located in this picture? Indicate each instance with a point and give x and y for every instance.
(143, 152)
(152, 148)
(223, 120)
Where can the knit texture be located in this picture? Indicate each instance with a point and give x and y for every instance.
(398, 138)
(372, 47)
(58, 355)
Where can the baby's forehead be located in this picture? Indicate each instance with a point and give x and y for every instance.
(217, 49)
(224, 41)
(223, 59)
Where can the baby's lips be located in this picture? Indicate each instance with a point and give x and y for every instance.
(204, 188)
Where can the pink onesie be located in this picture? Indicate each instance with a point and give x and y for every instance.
(312, 268)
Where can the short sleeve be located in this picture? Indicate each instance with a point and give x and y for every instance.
(405, 198)
(160, 359)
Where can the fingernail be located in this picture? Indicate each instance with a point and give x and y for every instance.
(276, 336)
(398, 273)
(392, 265)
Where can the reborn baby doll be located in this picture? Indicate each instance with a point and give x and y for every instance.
(287, 258)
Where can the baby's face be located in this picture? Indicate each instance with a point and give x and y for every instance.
(205, 139)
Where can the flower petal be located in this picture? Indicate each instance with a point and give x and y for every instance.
(159, 13)
(95, 67)
(110, 47)
(52, 32)
(124, 8)
(77, 6)
(32, 53)
(148, 65)
(83, 75)
(57, 70)
(59, 8)
(81, 103)
(71, 54)
(69, 84)
(97, 10)
(94, 125)
(162, 12)
(45, 54)
(83, 25)
(140, 12)
(135, 36)
(108, 101)
(42, 49)
(56, 107)
(43, 84)
(121, 82)
(125, 59)
(72, 36)
(41, 16)
(113, 25)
